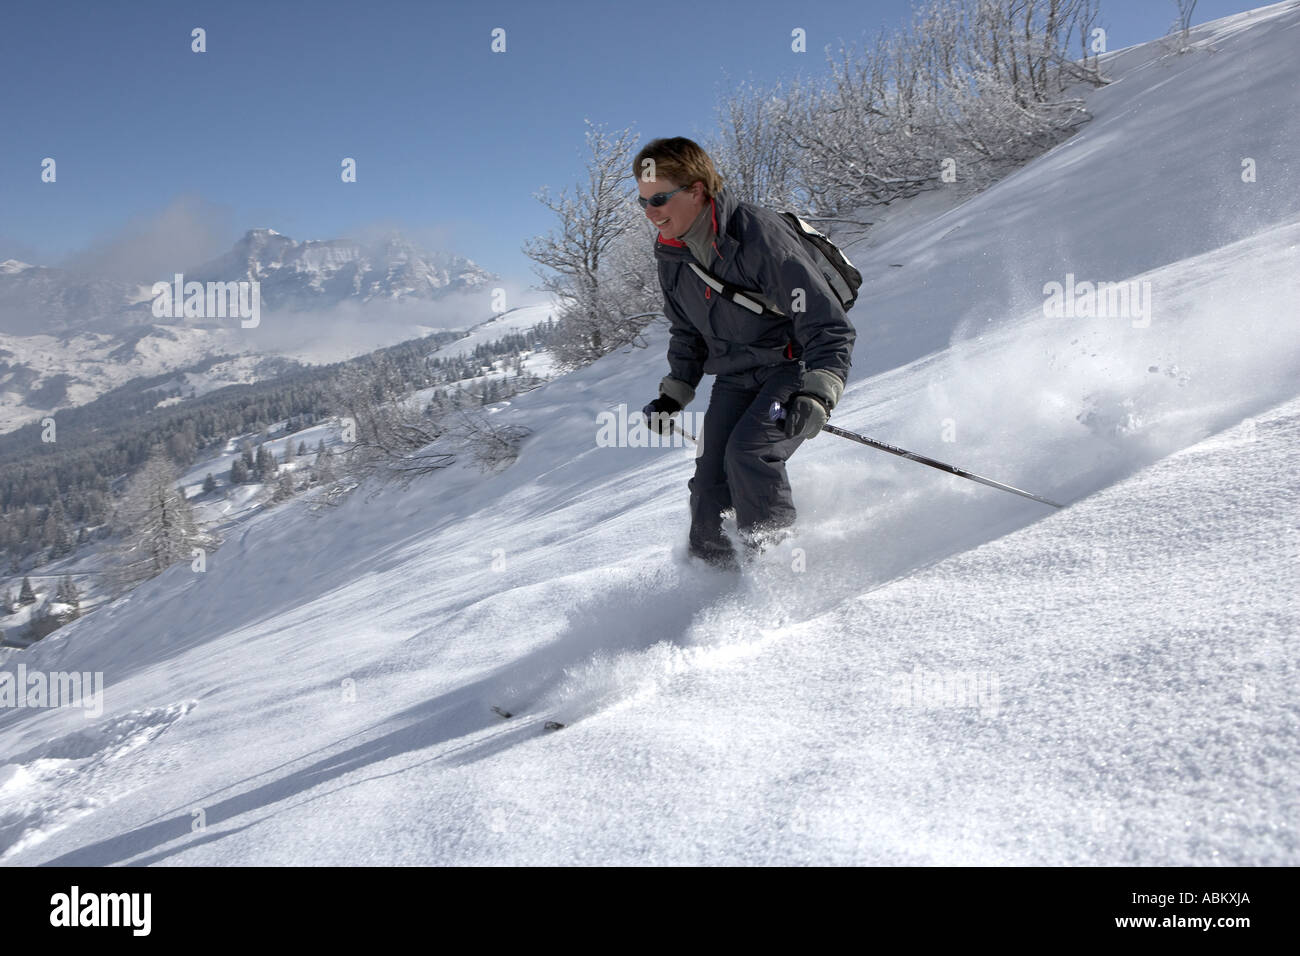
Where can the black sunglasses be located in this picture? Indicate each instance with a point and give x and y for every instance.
(658, 199)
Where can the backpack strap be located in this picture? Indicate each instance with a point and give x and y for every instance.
(742, 297)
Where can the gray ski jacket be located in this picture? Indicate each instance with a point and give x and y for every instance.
(756, 249)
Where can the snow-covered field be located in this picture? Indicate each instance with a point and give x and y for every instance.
(941, 673)
(538, 362)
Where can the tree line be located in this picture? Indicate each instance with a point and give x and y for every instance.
(57, 496)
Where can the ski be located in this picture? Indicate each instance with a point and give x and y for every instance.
(507, 715)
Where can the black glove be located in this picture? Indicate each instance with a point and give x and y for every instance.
(657, 414)
(805, 415)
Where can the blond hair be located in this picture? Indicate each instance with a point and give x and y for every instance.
(681, 161)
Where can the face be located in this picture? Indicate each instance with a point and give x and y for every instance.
(675, 216)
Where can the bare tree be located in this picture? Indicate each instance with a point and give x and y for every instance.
(390, 431)
(968, 91)
(978, 86)
(600, 257)
(490, 445)
(396, 436)
(1182, 26)
(867, 136)
(752, 148)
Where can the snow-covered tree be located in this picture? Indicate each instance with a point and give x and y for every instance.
(391, 430)
(601, 256)
(266, 466)
(759, 160)
(67, 594)
(25, 594)
(58, 536)
(284, 487)
(155, 522)
(971, 89)
(324, 465)
(490, 444)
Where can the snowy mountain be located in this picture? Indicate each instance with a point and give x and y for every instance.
(315, 273)
(294, 274)
(38, 300)
(66, 338)
(942, 674)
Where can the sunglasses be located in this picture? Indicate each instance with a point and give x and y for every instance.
(658, 199)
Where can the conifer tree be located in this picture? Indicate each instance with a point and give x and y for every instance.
(67, 594)
(57, 536)
(155, 521)
(325, 466)
(266, 466)
(284, 487)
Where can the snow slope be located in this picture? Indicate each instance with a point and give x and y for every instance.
(941, 674)
(1154, 177)
(519, 319)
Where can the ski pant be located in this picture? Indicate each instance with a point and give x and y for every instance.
(741, 463)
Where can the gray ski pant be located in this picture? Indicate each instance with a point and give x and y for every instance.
(741, 463)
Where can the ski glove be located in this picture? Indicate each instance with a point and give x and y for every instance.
(808, 410)
(804, 416)
(658, 414)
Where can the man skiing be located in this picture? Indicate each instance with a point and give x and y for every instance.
(800, 359)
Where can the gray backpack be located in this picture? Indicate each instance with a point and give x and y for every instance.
(841, 275)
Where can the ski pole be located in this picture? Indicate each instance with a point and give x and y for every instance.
(777, 414)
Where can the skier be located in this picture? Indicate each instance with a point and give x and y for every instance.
(801, 359)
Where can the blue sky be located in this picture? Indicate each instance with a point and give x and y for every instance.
(451, 141)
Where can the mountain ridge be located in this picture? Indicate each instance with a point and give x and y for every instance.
(68, 336)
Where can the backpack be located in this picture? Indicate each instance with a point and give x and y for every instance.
(840, 274)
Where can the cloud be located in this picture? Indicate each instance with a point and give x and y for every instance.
(188, 230)
(16, 249)
(353, 328)
(435, 237)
